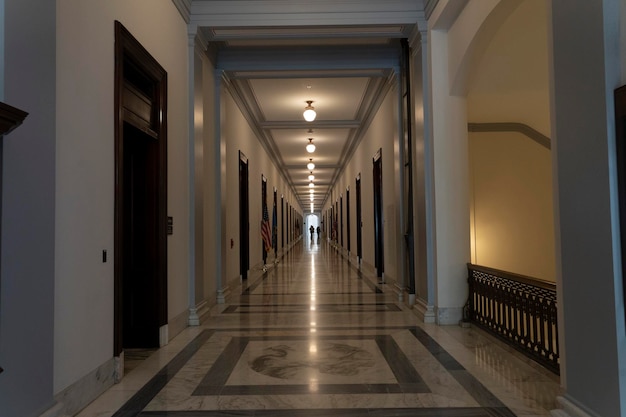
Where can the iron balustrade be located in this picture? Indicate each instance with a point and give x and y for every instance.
(517, 309)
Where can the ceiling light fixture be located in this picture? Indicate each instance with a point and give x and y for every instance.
(312, 198)
(309, 112)
(310, 166)
(311, 176)
(311, 185)
(310, 148)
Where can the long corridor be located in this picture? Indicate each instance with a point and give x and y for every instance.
(314, 336)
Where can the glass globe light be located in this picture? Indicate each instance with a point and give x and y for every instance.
(310, 148)
(309, 112)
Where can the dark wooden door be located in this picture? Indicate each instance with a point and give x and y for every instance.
(379, 250)
(348, 218)
(244, 217)
(140, 283)
(341, 218)
(359, 220)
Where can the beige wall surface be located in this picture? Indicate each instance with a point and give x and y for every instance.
(511, 211)
(511, 203)
(381, 134)
(85, 170)
(240, 137)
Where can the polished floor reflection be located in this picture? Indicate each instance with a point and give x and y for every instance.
(314, 336)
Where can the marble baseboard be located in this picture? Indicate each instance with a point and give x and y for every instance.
(78, 395)
(177, 324)
(204, 311)
(569, 409)
(55, 411)
(367, 268)
(446, 316)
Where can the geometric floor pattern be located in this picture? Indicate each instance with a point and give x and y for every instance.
(314, 336)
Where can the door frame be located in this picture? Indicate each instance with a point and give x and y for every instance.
(128, 49)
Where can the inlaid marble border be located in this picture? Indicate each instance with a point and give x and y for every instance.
(321, 308)
(341, 412)
(490, 405)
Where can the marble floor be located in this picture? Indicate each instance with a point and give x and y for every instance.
(314, 336)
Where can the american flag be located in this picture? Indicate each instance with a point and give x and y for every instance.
(266, 230)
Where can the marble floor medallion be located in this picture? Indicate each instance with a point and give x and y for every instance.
(313, 361)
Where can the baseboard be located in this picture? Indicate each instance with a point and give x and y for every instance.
(570, 409)
(367, 268)
(82, 392)
(446, 316)
(177, 324)
(55, 411)
(424, 311)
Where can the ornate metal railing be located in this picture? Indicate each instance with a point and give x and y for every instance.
(517, 309)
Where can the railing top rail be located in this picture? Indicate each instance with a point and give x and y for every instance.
(513, 277)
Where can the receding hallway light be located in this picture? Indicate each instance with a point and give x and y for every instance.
(310, 148)
(309, 112)
(310, 165)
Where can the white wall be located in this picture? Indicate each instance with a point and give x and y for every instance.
(210, 204)
(85, 170)
(451, 186)
(586, 70)
(28, 207)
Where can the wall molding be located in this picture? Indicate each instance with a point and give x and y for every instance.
(429, 7)
(78, 395)
(184, 8)
(445, 316)
(569, 409)
(522, 128)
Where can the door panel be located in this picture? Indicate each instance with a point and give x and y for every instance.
(141, 324)
(378, 215)
(244, 217)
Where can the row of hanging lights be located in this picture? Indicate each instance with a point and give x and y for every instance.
(309, 115)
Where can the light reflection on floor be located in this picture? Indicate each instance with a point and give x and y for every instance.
(314, 336)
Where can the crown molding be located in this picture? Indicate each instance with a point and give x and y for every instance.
(184, 8)
(429, 7)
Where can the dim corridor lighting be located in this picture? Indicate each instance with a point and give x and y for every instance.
(310, 148)
(310, 165)
(309, 112)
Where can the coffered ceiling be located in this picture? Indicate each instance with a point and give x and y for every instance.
(273, 70)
